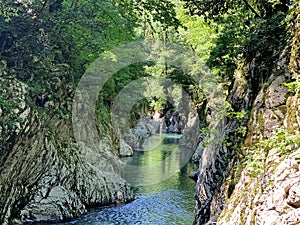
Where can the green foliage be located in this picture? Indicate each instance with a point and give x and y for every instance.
(91, 27)
(245, 28)
(230, 43)
(49, 34)
(161, 11)
(239, 116)
(7, 11)
(247, 36)
(114, 85)
(195, 33)
(294, 86)
(11, 121)
(8, 116)
(157, 19)
(267, 37)
(281, 142)
(103, 116)
(213, 9)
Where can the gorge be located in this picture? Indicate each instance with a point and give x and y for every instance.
(227, 72)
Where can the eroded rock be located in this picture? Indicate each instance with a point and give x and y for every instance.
(125, 149)
(278, 203)
(44, 175)
(136, 136)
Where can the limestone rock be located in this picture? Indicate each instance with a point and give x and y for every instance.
(125, 149)
(44, 175)
(278, 203)
(268, 111)
(136, 136)
(131, 138)
(258, 89)
(292, 119)
(57, 205)
(294, 195)
(190, 128)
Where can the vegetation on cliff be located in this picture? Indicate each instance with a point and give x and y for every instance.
(250, 46)
(258, 49)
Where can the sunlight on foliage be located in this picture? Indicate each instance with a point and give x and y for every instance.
(280, 142)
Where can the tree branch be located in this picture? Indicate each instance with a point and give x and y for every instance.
(251, 8)
(43, 6)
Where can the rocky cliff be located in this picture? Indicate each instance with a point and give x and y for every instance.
(43, 174)
(252, 175)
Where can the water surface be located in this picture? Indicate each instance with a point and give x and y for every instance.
(164, 193)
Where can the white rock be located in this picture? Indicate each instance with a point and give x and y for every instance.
(125, 149)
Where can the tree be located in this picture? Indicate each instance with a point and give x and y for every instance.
(245, 27)
(212, 9)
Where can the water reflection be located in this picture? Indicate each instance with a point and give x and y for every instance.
(160, 159)
(168, 202)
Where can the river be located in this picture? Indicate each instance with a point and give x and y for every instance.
(164, 195)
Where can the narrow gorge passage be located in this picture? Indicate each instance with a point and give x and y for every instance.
(84, 83)
(169, 201)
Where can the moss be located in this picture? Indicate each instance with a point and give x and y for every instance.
(256, 172)
(282, 109)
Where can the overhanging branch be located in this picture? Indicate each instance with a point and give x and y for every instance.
(251, 8)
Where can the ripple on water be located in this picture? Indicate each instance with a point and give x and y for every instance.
(163, 208)
(165, 203)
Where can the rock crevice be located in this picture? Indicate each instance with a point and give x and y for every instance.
(44, 175)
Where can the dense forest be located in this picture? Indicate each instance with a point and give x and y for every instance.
(79, 77)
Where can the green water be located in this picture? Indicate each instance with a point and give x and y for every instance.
(164, 193)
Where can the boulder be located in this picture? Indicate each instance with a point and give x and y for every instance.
(136, 136)
(125, 149)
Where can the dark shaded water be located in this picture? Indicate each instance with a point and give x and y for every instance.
(164, 193)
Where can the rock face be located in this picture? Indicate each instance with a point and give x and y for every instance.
(125, 149)
(136, 136)
(219, 155)
(172, 122)
(269, 109)
(262, 98)
(279, 203)
(43, 174)
(191, 135)
(272, 198)
(271, 195)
